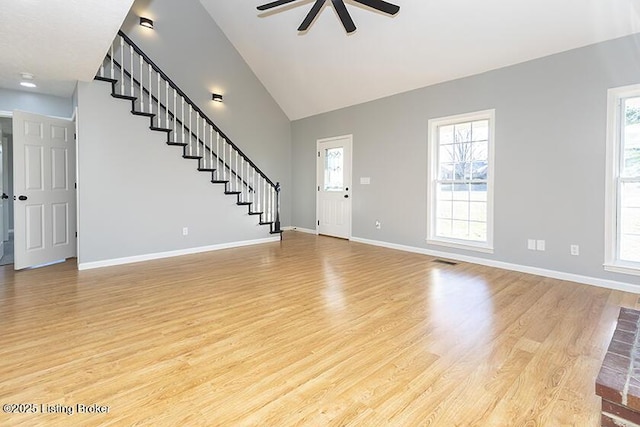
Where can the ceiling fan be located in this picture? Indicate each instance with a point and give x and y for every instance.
(341, 9)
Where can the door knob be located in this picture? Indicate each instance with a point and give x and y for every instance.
(346, 196)
(21, 197)
(4, 196)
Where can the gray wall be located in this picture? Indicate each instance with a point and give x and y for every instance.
(191, 49)
(549, 158)
(136, 193)
(47, 105)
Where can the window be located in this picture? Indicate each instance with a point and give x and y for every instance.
(623, 181)
(460, 199)
(333, 169)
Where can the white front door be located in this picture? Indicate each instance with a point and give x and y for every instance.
(44, 188)
(334, 187)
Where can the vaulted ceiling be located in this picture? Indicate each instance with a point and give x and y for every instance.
(323, 69)
(427, 42)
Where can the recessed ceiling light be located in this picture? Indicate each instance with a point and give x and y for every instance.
(27, 80)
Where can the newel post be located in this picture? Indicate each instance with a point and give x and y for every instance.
(277, 223)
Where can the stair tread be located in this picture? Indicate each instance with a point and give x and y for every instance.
(127, 97)
(256, 213)
(276, 232)
(180, 144)
(143, 113)
(265, 223)
(217, 181)
(232, 192)
(206, 169)
(191, 157)
(105, 79)
(160, 129)
(244, 203)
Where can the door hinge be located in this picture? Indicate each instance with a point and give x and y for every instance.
(75, 136)
(75, 185)
(318, 154)
(318, 222)
(76, 234)
(318, 188)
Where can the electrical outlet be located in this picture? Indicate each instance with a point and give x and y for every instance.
(185, 231)
(575, 250)
(378, 225)
(540, 245)
(531, 244)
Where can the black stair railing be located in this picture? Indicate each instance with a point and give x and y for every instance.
(135, 77)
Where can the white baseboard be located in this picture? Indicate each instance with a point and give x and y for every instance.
(303, 230)
(169, 254)
(554, 274)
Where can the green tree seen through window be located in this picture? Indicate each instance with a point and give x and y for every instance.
(633, 115)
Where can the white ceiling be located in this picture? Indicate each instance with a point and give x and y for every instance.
(58, 41)
(427, 42)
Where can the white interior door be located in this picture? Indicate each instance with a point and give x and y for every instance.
(334, 187)
(44, 188)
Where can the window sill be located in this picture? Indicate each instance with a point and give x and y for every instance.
(462, 245)
(623, 268)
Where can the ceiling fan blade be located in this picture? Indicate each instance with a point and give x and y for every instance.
(311, 15)
(273, 4)
(347, 22)
(380, 5)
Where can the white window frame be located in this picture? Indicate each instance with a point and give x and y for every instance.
(612, 201)
(433, 168)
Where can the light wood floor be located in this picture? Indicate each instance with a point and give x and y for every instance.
(309, 331)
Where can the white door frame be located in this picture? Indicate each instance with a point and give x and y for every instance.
(319, 176)
(3, 162)
(6, 179)
(5, 205)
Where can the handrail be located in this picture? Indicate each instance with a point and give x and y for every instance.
(193, 104)
(191, 132)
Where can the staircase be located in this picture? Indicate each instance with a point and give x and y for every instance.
(135, 77)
